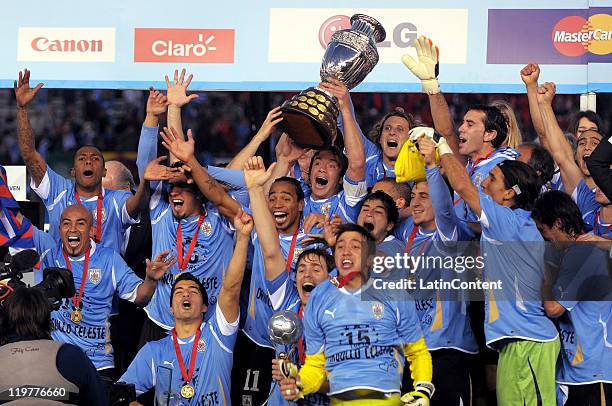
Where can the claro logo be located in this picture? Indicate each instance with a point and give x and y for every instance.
(575, 36)
(184, 45)
(54, 44)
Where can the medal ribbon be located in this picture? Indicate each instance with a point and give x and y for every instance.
(187, 375)
(77, 301)
(182, 262)
(292, 249)
(411, 241)
(596, 222)
(98, 237)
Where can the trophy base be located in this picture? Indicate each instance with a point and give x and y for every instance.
(310, 119)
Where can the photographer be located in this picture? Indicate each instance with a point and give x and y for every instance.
(62, 370)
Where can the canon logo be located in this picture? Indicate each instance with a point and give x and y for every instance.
(53, 44)
(184, 45)
(42, 44)
(171, 48)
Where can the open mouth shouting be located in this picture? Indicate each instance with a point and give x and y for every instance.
(280, 216)
(368, 225)
(177, 203)
(88, 173)
(392, 143)
(321, 181)
(186, 304)
(73, 241)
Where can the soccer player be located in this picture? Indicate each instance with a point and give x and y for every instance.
(196, 230)
(313, 266)
(513, 252)
(536, 156)
(198, 352)
(379, 216)
(581, 281)
(401, 195)
(481, 134)
(98, 273)
(594, 205)
(113, 211)
(358, 344)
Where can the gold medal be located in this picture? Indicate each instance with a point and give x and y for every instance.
(76, 316)
(187, 391)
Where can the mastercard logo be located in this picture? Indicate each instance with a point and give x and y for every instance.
(575, 36)
(330, 26)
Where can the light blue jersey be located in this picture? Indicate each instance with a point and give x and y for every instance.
(375, 169)
(208, 262)
(212, 369)
(590, 210)
(107, 274)
(362, 337)
(345, 203)
(284, 296)
(583, 288)
(479, 173)
(513, 252)
(259, 309)
(443, 312)
(403, 229)
(57, 193)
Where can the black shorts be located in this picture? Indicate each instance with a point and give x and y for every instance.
(589, 395)
(251, 373)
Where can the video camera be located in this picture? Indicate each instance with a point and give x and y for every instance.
(56, 285)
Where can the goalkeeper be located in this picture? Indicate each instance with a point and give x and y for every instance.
(357, 337)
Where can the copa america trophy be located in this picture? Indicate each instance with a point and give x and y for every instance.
(310, 118)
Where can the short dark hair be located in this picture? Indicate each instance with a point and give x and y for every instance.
(403, 189)
(494, 121)
(556, 205)
(293, 182)
(27, 314)
(77, 149)
(188, 276)
(376, 131)
(541, 161)
(520, 174)
(589, 115)
(388, 203)
(342, 159)
(369, 239)
(319, 252)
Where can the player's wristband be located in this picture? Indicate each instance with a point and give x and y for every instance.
(431, 86)
(425, 387)
(443, 147)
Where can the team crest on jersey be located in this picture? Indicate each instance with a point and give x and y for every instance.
(95, 215)
(297, 252)
(478, 178)
(201, 345)
(378, 310)
(95, 275)
(206, 228)
(326, 207)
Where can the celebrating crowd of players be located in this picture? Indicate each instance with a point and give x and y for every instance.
(304, 234)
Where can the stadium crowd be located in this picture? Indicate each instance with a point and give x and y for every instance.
(211, 253)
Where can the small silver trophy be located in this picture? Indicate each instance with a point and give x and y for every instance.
(310, 118)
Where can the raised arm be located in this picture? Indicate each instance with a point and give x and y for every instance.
(230, 288)
(287, 154)
(273, 118)
(558, 146)
(353, 142)
(157, 104)
(255, 176)
(25, 136)
(155, 270)
(427, 69)
(529, 75)
(184, 150)
(458, 177)
(177, 98)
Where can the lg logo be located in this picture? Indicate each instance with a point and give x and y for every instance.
(403, 34)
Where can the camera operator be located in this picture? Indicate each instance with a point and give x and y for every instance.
(29, 356)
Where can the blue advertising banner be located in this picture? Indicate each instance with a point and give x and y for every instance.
(275, 45)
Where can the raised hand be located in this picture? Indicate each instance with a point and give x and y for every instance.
(156, 269)
(546, 93)
(329, 235)
(339, 91)
(156, 171)
(243, 223)
(157, 103)
(177, 90)
(530, 74)
(287, 149)
(183, 150)
(23, 93)
(255, 173)
(274, 117)
(426, 68)
(312, 220)
(427, 148)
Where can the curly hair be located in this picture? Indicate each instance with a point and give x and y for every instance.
(376, 132)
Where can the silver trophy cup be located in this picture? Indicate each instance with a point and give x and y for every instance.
(310, 118)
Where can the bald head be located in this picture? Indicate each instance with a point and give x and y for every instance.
(118, 177)
(77, 211)
(76, 229)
